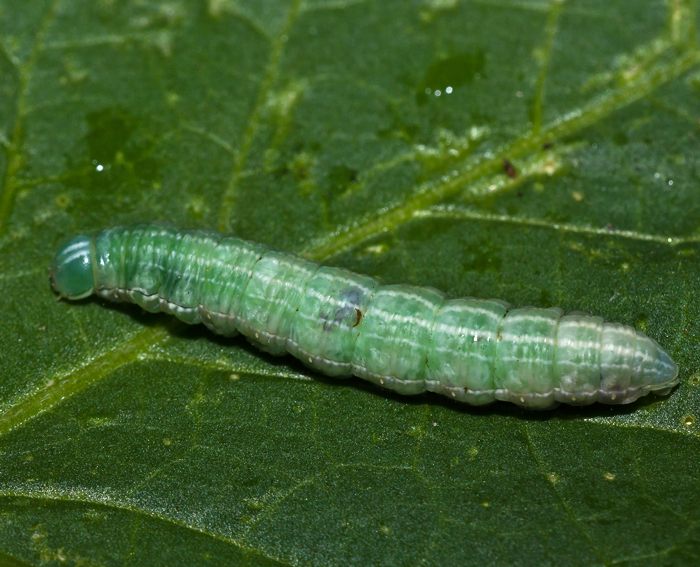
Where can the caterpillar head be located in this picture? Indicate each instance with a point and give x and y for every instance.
(71, 273)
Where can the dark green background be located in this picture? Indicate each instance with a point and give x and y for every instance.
(314, 126)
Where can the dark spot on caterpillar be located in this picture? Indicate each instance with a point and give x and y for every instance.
(547, 145)
(358, 317)
(509, 169)
(348, 310)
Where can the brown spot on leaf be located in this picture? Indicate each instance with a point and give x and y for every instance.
(509, 169)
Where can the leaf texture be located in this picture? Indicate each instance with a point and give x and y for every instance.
(542, 152)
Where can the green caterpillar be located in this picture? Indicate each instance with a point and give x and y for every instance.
(405, 338)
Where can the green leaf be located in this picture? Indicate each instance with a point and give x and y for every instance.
(543, 152)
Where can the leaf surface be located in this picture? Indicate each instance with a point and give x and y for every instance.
(541, 152)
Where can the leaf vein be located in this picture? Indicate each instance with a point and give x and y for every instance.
(269, 78)
(94, 499)
(9, 184)
(348, 236)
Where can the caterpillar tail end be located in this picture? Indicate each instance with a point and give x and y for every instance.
(665, 374)
(71, 272)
